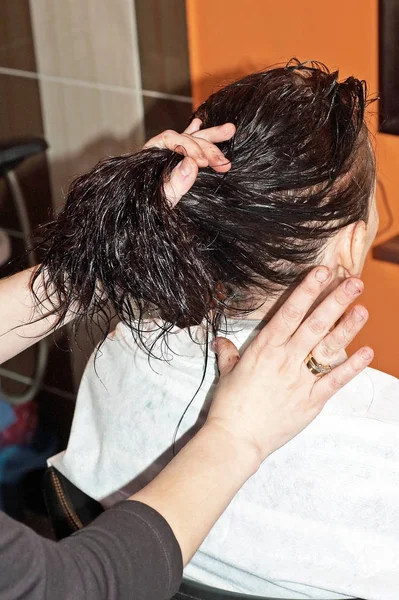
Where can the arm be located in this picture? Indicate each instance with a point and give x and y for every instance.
(22, 322)
(128, 552)
(263, 400)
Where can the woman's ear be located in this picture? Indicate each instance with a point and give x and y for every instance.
(353, 248)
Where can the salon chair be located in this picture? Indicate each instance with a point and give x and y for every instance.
(71, 509)
(13, 152)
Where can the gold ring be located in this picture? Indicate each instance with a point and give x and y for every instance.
(315, 367)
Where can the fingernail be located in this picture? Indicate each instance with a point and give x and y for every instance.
(185, 167)
(322, 274)
(358, 315)
(367, 354)
(214, 346)
(352, 288)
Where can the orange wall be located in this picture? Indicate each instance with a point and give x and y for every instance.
(229, 38)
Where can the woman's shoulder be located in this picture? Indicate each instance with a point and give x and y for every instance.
(385, 400)
(127, 359)
(382, 379)
(373, 394)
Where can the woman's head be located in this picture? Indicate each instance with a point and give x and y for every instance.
(299, 191)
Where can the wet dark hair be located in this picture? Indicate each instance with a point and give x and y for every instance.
(302, 168)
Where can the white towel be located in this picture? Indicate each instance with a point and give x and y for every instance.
(320, 519)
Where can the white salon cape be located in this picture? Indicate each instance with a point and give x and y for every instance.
(320, 519)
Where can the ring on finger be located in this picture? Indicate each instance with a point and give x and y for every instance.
(315, 367)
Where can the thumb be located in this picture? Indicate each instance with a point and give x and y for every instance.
(181, 180)
(227, 355)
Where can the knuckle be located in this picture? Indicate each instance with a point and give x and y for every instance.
(336, 381)
(291, 312)
(190, 139)
(258, 350)
(317, 326)
(167, 135)
(327, 350)
(310, 288)
(348, 330)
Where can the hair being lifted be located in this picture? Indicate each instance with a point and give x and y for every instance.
(302, 168)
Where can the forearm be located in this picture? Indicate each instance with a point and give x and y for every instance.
(128, 552)
(23, 321)
(197, 486)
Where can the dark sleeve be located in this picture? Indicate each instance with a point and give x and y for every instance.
(128, 552)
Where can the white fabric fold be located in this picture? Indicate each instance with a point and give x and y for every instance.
(320, 519)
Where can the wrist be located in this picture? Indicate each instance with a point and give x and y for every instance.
(242, 451)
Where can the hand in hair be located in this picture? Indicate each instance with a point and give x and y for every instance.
(199, 150)
(117, 221)
(24, 321)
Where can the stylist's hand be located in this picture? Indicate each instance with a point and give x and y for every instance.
(268, 396)
(199, 150)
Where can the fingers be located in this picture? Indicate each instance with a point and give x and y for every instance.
(206, 138)
(182, 144)
(291, 314)
(181, 180)
(227, 355)
(330, 350)
(197, 144)
(194, 126)
(203, 152)
(220, 133)
(323, 318)
(198, 152)
(216, 159)
(328, 385)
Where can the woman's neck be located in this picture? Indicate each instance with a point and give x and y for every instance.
(261, 308)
